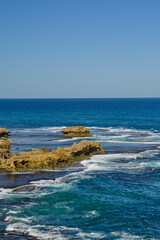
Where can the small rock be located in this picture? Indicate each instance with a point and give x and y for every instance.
(4, 132)
(76, 131)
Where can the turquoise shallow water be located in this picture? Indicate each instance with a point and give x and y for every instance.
(110, 196)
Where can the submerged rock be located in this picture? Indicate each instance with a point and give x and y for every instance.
(4, 132)
(76, 131)
(26, 188)
(13, 236)
(45, 159)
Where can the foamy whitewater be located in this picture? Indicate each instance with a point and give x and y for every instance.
(110, 196)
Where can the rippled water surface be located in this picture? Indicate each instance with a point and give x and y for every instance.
(111, 196)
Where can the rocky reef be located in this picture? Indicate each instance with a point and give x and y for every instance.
(76, 131)
(45, 159)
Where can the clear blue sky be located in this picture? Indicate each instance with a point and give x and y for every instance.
(79, 48)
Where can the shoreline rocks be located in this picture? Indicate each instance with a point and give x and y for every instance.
(45, 159)
(76, 131)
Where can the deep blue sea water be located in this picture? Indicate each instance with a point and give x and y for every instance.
(111, 196)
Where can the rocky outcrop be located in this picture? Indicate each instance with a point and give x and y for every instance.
(4, 132)
(5, 146)
(76, 131)
(45, 159)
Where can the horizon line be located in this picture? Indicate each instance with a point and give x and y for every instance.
(80, 98)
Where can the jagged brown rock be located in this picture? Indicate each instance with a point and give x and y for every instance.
(76, 131)
(4, 132)
(45, 159)
(5, 146)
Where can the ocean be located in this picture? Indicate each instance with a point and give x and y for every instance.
(110, 196)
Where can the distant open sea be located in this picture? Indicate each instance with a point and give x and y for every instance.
(111, 196)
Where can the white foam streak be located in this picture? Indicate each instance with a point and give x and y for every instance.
(131, 142)
(42, 129)
(68, 139)
(125, 135)
(121, 129)
(55, 184)
(43, 183)
(116, 161)
(19, 219)
(127, 236)
(52, 234)
(131, 130)
(4, 192)
(73, 139)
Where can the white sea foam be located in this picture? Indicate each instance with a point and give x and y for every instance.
(120, 131)
(56, 233)
(11, 218)
(42, 129)
(117, 235)
(13, 212)
(117, 161)
(131, 130)
(51, 234)
(131, 142)
(74, 139)
(68, 139)
(91, 235)
(4, 192)
(91, 214)
(151, 164)
(25, 172)
(98, 128)
(113, 139)
(127, 236)
(43, 183)
(56, 184)
(122, 135)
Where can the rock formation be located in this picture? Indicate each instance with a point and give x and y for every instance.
(45, 159)
(5, 146)
(4, 132)
(76, 131)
